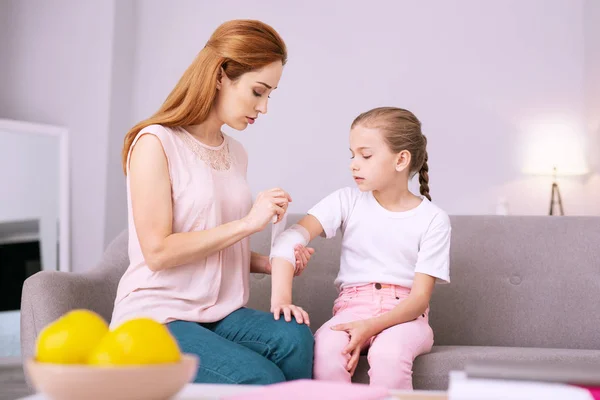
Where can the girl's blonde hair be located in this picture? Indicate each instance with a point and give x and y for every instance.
(237, 46)
(402, 131)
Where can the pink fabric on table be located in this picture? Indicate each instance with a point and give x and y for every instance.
(311, 389)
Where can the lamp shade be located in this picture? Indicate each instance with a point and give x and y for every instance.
(554, 148)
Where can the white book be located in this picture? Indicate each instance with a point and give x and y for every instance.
(575, 373)
(462, 387)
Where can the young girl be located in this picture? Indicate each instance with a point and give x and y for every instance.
(395, 247)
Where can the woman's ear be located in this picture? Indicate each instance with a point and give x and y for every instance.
(403, 160)
(220, 76)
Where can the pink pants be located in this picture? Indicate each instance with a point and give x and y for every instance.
(390, 353)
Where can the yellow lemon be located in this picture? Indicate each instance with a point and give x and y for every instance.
(71, 338)
(137, 341)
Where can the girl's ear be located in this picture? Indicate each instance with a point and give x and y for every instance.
(403, 160)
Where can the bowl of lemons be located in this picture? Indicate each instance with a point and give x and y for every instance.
(79, 357)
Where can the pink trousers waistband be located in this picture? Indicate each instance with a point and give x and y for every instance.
(375, 287)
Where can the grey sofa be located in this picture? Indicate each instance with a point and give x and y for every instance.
(523, 288)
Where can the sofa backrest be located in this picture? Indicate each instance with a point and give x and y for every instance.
(525, 281)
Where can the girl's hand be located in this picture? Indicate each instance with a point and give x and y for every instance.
(303, 255)
(360, 333)
(288, 310)
(269, 204)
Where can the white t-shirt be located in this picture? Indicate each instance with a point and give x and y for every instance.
(383, 246)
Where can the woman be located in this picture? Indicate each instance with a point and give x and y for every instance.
(191, 215)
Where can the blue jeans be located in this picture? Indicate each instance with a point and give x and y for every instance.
(247, 347)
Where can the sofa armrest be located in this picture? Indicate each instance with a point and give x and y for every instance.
(47, 295)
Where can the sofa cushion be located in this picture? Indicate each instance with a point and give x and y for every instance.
(431, 370)
(521, 281)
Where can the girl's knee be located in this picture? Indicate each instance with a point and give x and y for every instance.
(330, 343)
(330, 363)
(397, 357)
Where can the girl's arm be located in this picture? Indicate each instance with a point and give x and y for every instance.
(153, 213)
(259, 263)
(282, 272)
(324, 219)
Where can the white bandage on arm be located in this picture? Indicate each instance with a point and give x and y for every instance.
(283, 245)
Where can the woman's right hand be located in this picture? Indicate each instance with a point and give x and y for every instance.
(273, 202)
(289, 310)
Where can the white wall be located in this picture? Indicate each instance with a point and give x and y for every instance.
(57, 60)
(476, 73)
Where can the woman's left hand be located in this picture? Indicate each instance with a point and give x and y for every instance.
(303, 255)
(360, 332)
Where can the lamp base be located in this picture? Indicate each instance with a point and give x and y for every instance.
(556, 199)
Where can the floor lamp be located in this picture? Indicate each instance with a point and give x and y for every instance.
(555, 148)
(555, 198)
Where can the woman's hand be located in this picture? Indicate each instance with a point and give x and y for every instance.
(360, 332)
(288, 310)
(270, 203)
